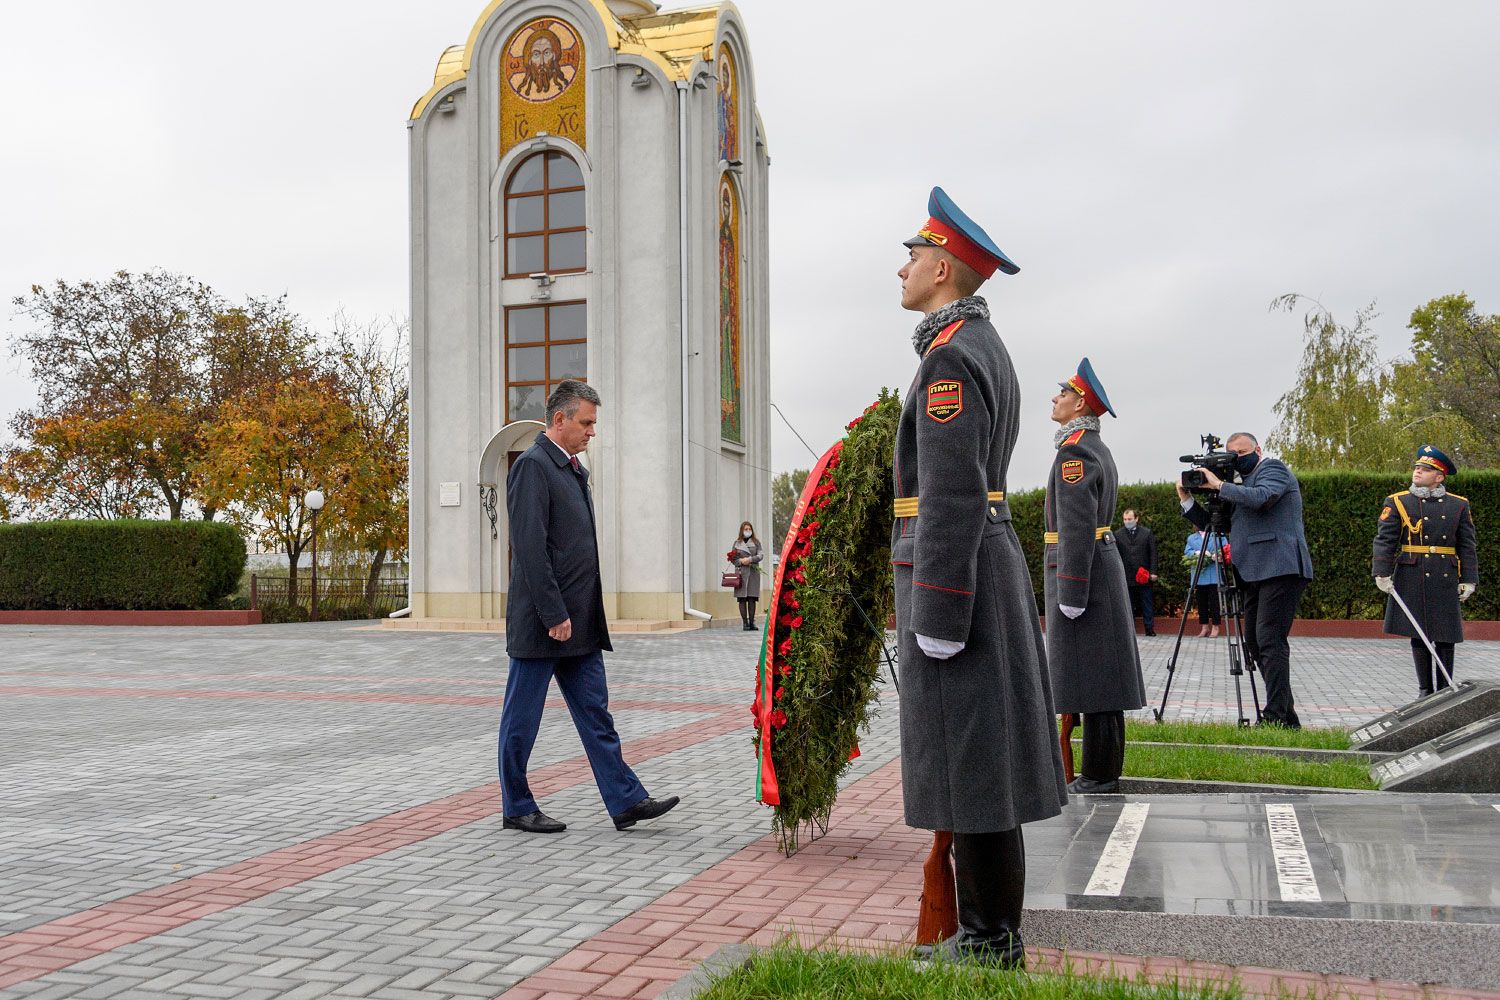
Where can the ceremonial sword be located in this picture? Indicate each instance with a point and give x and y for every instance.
(1423, 635)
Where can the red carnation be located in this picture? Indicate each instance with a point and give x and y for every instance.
(778, 719)
(784, 670)
(785, 648)
(779, 693)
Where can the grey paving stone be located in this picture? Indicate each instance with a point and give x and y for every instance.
(106, 796)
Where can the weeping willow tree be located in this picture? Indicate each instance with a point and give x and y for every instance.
(1347, 409)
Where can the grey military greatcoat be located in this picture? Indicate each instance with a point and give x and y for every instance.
(1430, 548)
(979, 750)
(1094, 661)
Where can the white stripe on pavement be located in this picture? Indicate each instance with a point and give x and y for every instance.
(1293, 867)
(1114, 861)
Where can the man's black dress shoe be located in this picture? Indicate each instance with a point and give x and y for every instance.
(1088, 786)
(537, 822)
(647, 808)
(1004, 951)
(1151, 632)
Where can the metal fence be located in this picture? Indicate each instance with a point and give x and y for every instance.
(338, 597)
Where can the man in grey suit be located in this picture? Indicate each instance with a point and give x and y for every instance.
(555, 623)
(1270, 558)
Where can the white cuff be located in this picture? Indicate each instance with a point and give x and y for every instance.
(1071, 612)
(938, 649)
(1187, 505)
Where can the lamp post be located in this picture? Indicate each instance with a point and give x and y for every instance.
(314, 503)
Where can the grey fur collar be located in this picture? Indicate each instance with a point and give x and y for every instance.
(1428, 492)
(971, 307)
(1088, 421)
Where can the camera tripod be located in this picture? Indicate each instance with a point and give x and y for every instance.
(1231, 612)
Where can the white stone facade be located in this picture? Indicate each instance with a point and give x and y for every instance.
(642, 71)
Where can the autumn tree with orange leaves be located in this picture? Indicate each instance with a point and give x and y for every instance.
(269, 448)
(130, 374)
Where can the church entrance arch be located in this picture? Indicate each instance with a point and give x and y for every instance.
(494, 465)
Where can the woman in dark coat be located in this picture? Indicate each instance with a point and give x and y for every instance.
(746, 556)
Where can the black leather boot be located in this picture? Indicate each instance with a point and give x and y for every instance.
(1103, 754)
(990, 874)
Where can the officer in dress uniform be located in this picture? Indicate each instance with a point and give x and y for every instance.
(979, 750)
(1096, 668)
(1425, 551)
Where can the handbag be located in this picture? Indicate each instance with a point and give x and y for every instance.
(730, 578)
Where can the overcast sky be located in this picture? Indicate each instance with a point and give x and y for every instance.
(1159, 171)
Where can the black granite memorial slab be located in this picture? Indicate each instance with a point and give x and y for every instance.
(1465, 760)
(1428, 718)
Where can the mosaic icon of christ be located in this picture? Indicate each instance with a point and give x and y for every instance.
(544, 76)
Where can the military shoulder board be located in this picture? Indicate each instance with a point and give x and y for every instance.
(944, 336)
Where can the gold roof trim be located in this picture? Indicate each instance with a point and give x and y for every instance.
(674, 41)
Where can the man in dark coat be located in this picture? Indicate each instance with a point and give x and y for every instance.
(1138, 552)
(1091, 651)
(1271, 562)
(1425, 550)
(979, 751)
(555, 624)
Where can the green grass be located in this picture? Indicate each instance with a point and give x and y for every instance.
(787, 972)
(1228, 732)
(1208, 764)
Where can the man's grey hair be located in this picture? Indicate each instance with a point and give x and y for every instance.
(566, 397)
(1243, 434)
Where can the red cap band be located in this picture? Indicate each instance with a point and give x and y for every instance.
(1092, 401)
(960, 246)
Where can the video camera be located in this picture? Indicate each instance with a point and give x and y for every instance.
(1214, 458)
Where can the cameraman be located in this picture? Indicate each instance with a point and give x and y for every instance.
(1270, 558)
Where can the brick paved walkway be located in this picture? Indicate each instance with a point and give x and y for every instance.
(301, 811)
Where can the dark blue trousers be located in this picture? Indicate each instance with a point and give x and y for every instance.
(581, 681)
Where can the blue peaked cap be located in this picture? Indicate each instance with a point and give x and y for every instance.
(964, 237)
(1430, 456)
(1087, 385)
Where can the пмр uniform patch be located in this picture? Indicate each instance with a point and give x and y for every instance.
(945, 400)
(1072, 471)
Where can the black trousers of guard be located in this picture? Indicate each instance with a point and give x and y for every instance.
(1427, 674)
(1103, 746)
(1270, 606)
(990, 874)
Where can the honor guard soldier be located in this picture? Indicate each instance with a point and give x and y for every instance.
(979, 750)
(1425, 551)
(1096, 668)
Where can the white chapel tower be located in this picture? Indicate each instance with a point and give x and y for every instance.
(588, 200)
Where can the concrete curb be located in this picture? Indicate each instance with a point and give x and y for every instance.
(1401, 951)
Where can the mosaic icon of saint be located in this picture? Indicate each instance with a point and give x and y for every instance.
(729, 315)
(728, 108)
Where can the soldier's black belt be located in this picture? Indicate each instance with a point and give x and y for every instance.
(907, 506)
(1050, 537)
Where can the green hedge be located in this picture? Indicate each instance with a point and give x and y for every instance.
(1340, 513)
(118, 565)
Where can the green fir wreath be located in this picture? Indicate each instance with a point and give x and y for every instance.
(824, 646)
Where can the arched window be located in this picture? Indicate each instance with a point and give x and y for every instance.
(544, 216)
(544, 344)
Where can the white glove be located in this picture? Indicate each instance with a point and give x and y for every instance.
(1466, 590)
(1070, 612)
(938, 649)
(1388, 586)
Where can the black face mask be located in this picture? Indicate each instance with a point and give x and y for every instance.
(1245, 464)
